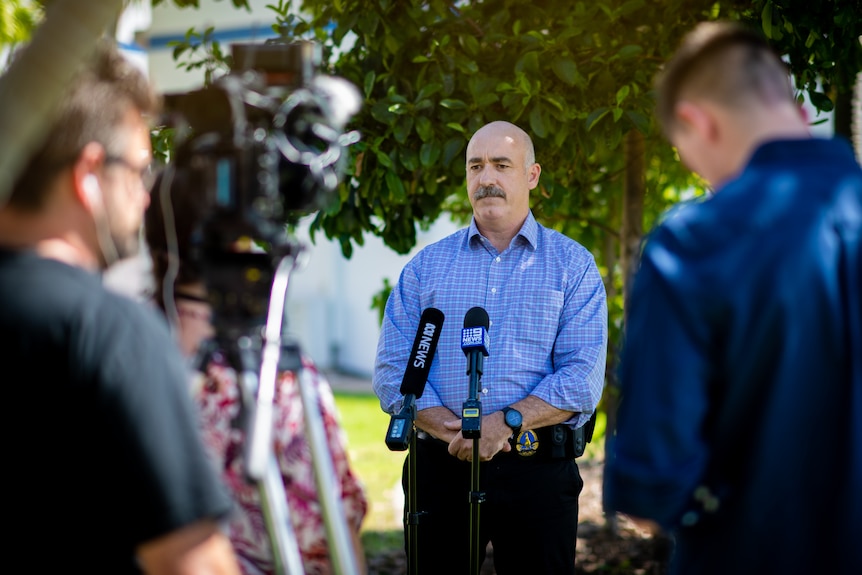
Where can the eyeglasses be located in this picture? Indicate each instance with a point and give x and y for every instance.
(145, 173)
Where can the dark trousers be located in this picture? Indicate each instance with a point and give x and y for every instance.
(530, 513)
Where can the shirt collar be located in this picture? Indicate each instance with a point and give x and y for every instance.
(529, 231)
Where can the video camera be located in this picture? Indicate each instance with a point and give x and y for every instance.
(262, 145)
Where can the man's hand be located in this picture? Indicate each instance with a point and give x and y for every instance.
(495, 438)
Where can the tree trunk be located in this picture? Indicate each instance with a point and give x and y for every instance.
(631, 230)
(633, 209)
(856, 117)
(846, 99)
(844, 115)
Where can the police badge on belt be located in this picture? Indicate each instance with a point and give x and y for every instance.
(527, 443)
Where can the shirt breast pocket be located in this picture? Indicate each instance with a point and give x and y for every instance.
(539, 323)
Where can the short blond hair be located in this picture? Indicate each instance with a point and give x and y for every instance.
(725, 63)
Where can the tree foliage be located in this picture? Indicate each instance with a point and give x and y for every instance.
(577, 76)
(18, 18)
(821, 40)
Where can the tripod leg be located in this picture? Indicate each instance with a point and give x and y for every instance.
(341, 549)
(286, 556)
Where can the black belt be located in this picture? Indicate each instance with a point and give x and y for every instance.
(551, 442)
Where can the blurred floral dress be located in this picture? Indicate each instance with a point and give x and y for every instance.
(218, 397)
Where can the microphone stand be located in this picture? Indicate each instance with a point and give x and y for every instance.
(413, 514)
(471, 427)
(402, 435)
(402, 426)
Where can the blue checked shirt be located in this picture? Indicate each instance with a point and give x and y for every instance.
(548, 322)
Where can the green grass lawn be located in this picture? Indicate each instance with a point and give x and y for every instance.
(378, 468)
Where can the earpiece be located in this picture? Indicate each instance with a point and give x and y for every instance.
(92, 189)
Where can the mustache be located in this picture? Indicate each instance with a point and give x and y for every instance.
(489, 192)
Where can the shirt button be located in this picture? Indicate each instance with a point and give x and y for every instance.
(497, 259)
(493, 290)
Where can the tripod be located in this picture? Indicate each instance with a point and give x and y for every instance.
(257, 374)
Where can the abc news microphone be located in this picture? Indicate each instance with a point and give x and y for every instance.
(474, 343)
(415, 376)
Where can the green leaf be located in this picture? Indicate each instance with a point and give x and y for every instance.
(370, 77)
(423, 105)
(398, 108)
(528, 63)
(466, 66)
(618, 113)
(380, 112)
(487, 99)
(629, 7)
(451, 149)
(595, 116)
(395, 97)
(537, 122)
(457, 127)
(622, 94)
(554, 102)
(408, 159)
(384, 159)
(429, 90)
(429, 153)
(640, 121)
(629, 51)
(424, 128)
(516, 28)
(395, 186)
(566, 70)
(403, 128)
(470, 44)
(452, 104)
(821, 101)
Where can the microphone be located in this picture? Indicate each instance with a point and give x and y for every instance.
(422, 354)
(415, 377)
(474, 343)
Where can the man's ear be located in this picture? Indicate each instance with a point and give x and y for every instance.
(693, 116)
(533, 173)
(85, 181)
(92, 190)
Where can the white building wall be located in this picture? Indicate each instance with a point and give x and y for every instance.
(230, 24)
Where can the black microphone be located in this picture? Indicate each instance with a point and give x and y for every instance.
(475, 344)
(415, 376)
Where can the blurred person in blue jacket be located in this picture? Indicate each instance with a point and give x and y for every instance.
(740, 425)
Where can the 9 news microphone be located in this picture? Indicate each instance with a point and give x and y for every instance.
(415, 376)
(475, 344)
